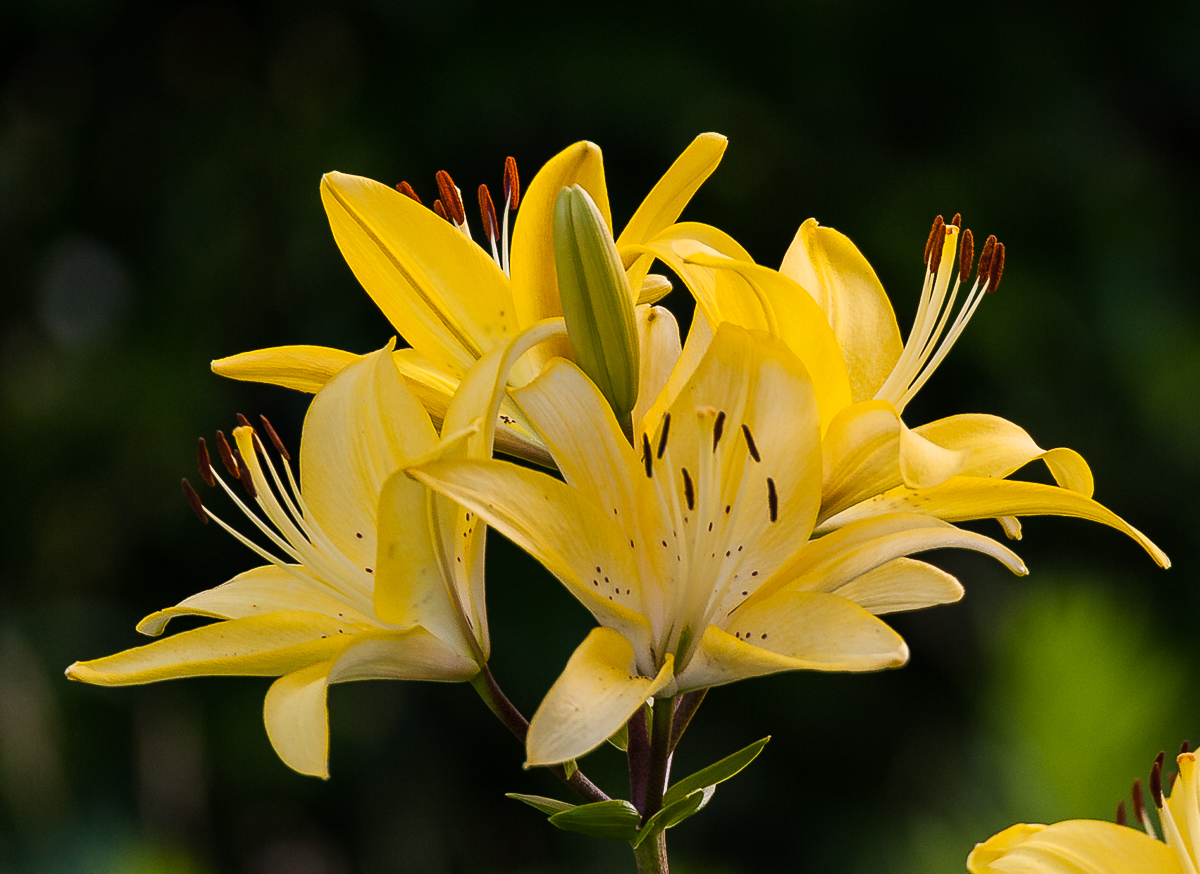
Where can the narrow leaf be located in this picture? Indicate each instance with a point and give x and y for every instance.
(715, 773)
(673, 814)
(614, 820)
(542, 803)
(620, 740)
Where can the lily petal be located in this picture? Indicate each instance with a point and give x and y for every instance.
(269, 645)
(658, 338)
(364, 425)
(679, 244)
(901, 584)
(1080, 846)
(545, 517)
(998, 447)
(964, 497)
(834, 272)
(304, 368)
(447, 297)
(794, 631)
(256, 592)
(760, 298)
(534, 278)
(830, 562)
(597, 693)
(672, 192)
(295, 710)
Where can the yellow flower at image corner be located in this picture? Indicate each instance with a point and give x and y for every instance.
(453, 301)
(695, 557)
(369, 575)
(1095, 847)
(826, 303)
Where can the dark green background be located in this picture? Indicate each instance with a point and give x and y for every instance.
(159, 165)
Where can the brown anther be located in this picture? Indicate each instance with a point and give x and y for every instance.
(957, 220)
(1156, 792)
(1171, 782)
(227, 458)
(966, 254)
(985, 256)
(689, 493)
(1185, 748)
(193, 500)
(279, 447)
(407, 190)
(244, 474)
(1121, 818)
(243, 421)
(647, 456)
(772, 499)
(1139, 803)
(440, 210)
(935, 234)
(205, 463)
(935, 254)
(750, 443)
(996, 268)
(662, 439)
(512, 184)
(451, 199)
(718, 429)
(488, 210)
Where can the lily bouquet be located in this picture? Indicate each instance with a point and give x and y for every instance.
(743, 502)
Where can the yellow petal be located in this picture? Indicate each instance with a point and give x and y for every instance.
(760, 298)
(545, 517)
(440, 290)
(597, 693)
(998, 448)
(679, 244)
(256, 592)
(699, 337)
(654, 287)
(304, 368)
(963, 498)
(360, 428)
(834, 272)
(901, 584)
(793, 631)
(830, 562)
(658, 337)
(295, 709)
(297, 719)
(534, 282)
(672, 192)
(1184, 801)
(861, 455)
(1080, 846)
(262, 646)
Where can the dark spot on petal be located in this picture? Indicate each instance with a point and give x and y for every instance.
(358, 534)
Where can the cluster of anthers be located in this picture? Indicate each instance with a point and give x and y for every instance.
(295, 533)
(923, 352)
(449, 205)
(1186, 799)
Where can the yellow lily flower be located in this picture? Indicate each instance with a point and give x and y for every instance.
(451, 300)
(826, 303)
(369, 575)
(695, 557)
(1103, 847)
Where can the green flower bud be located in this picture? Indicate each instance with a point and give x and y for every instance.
(597, 303)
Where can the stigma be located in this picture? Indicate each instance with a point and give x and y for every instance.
(949, 253)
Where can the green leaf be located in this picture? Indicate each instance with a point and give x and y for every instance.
(570, 767)
(620, 740)
(614, 820)
(673, 814)
(540, 802)
(714, 773)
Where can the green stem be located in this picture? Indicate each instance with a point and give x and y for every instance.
(493, 696)
(651, 856)
(660, 756)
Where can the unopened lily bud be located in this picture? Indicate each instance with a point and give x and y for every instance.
(597, 303)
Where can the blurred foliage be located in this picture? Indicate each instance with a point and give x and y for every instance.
(158, 208)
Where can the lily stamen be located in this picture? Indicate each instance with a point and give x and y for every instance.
(407, 190)
(490, 227)
(512, 197)
(930, 342)
(452, 202)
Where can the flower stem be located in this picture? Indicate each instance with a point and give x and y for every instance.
(651, 856)
(660, 756)
(493, 696)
